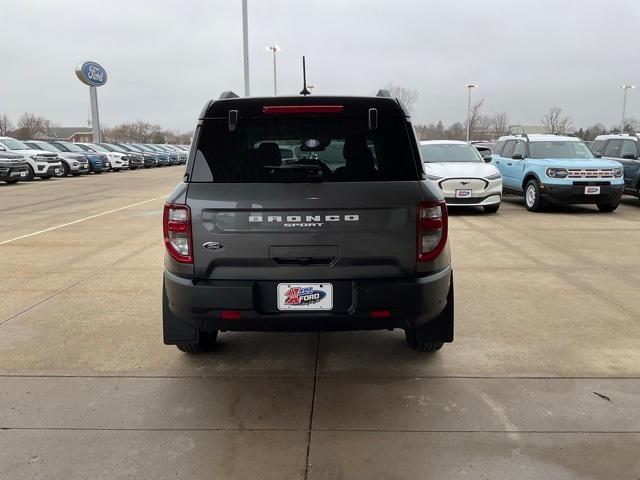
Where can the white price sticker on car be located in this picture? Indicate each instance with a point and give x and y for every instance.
(305, 296)
(23, 174)
(591, 190)
(464, 193)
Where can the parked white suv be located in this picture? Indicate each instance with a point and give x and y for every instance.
(42, 163)
(462, 174)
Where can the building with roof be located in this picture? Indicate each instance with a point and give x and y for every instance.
(72, 134)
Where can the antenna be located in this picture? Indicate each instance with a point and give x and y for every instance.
(304, 90)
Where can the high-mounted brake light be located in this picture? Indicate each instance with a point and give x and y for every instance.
(431, 228)
(177, 232)
(293, 109)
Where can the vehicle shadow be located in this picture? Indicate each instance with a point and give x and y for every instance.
(555, 209)
(458, 211)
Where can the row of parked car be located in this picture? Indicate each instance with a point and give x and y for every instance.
(28, 159)
(545, 169)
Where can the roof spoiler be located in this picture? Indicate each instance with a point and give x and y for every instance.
(227, 94)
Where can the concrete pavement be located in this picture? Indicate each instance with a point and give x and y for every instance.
(543, 380)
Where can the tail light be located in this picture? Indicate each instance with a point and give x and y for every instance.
(431, 226)
(177, 232)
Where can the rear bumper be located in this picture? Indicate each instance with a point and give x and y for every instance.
(411, 302)
(575, 193)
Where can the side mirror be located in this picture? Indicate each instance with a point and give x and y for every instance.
(629, 156)
(2, 149)
(487, 158)
(597, 155)
(517, 156)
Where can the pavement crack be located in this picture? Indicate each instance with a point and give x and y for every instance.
(604, 397)
(307, 464)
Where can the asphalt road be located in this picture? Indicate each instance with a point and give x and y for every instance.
(543, 380)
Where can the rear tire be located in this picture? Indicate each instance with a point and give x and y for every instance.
(206, 343)
(12, 181)
(491, 208)
(607, 207)
(532, 198)
(65, 170)
(419, 344)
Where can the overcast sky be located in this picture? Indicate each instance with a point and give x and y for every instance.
(165, 58)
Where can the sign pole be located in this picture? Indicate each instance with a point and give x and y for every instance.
(245, 47)
(95, 117)
(93, 75)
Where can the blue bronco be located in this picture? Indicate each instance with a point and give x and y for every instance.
(557, 169)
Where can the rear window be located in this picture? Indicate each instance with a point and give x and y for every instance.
(286, 149)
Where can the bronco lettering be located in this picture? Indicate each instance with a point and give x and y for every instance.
(293, 219)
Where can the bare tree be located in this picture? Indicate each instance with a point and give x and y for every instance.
(145, 132)
(500, 124)
(5, 125)
(408, 96)
(631, 125)
(455, 132)
(31, 126)
(474, 117)
(554, 122)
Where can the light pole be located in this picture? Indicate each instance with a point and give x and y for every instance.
(469, 87)
(245, 46)
(275, 49)
(624, 104)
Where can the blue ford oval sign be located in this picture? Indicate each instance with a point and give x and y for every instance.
(92, 74)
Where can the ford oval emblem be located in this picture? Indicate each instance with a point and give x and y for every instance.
(213, 245)
(91, 73)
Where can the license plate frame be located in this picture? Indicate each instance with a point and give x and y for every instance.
(309, 297)
(592, 190)
(464, 192)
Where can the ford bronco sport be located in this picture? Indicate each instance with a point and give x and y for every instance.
(346, 235)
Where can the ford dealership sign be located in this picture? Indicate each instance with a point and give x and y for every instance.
(92, 74)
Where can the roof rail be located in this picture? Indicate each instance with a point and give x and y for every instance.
(383, 92)
(227, 94)
(523, 134)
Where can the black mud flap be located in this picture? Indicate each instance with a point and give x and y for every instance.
(174, 331)
(440, 329)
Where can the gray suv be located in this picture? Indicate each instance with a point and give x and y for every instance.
(625, 149)
(346, 235)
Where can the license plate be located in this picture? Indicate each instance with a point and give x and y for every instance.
(23, 174)
(305, 296)
(464, 193)
(592, 190)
